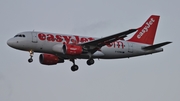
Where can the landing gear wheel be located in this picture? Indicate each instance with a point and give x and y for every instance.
(74, 68)
(90, 61)
(31, 55)
(30, 60)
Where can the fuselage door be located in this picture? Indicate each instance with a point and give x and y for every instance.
(130, 47)
(34, 37)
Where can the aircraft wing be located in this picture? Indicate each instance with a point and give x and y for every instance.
(106, 40)
(95, 45)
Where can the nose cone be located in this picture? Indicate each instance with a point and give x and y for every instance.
(16, 43)
(10, 42)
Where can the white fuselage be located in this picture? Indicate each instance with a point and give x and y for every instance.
(43, 42)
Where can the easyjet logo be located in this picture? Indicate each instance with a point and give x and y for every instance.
(74, 40)
(64, 38)
(146, 28)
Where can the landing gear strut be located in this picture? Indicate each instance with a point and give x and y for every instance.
(90, 62)
(31, 55)
(74, 66)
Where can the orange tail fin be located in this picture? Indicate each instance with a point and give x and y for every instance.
(146, 33)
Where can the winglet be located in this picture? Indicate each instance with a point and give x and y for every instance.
(146, 33)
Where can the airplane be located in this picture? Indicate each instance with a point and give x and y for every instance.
(56, 48)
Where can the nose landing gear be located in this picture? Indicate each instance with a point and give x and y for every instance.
(30, 60)
(31, 55)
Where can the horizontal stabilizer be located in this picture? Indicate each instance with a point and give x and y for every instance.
(156, 46)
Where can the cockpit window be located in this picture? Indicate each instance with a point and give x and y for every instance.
(16, 36)
(20, 35)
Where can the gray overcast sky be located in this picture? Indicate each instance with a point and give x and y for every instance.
(146, 78)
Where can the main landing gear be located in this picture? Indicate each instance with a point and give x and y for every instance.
(31, 55)
(75, 67)
(90, 62)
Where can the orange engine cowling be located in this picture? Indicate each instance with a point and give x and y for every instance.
(49, 59)
(72, 49)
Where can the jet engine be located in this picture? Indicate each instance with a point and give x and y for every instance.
(70, 49)
(49, 59)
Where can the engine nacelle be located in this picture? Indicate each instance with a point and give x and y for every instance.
(70, 49)
(49, 59)
(58, 48)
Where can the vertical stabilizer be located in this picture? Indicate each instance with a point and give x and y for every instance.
(146, 33)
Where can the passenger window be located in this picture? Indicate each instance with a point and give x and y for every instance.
(23, 35)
